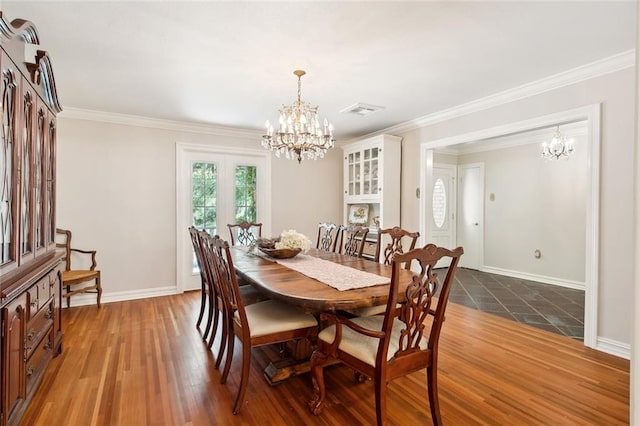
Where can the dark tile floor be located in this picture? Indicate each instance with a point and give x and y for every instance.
(545, 306)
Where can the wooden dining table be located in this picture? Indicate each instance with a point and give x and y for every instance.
(287, 285)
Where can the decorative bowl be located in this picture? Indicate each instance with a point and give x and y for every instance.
(266, 243)
(284, 253)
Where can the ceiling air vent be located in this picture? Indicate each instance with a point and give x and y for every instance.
(362, 109)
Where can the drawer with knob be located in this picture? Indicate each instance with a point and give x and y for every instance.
(38, 361)
(37, 327)
(40, 292)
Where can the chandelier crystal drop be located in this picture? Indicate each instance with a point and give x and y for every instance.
(560, 147)
(300, 133)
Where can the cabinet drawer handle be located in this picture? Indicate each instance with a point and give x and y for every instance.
(31, 334)
(30, 370)
(47, 345)
(34, 302)
(48, 315)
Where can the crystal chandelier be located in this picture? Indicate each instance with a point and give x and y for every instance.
(300, 134)
(559, 147)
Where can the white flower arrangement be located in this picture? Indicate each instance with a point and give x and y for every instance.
(292, 240)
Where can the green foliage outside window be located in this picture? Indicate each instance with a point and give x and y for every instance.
(204, 196)
(245, 194)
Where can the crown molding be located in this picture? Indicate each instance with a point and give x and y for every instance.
(588, 71)
(155, 123)
(585, 72)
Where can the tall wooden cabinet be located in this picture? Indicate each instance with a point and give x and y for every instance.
(372, 185)
(30, 285)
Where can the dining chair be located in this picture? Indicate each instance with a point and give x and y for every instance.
(400, 342)
(74, 279)
(327, 236)
(248, 294)
(394, 246)
(352, 239)
(259, 324)
(206, 296)
(244, 233)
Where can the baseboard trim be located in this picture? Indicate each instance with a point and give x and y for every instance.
(613, 347)
(576, 285)
(120, 296)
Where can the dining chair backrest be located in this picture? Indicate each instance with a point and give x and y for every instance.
(197, 249)
(224, 275)
(244, 233)
(352, 239)
(327, 236)
(394, 246)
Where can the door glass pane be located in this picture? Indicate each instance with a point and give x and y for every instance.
(439, 203)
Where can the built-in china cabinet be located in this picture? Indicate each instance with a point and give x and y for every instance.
(372, 185)
(30, 291)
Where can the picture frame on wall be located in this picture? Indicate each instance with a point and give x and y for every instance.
(359, 214)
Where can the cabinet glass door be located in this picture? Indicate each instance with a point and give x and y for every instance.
(354, 166)
(8, 197)
(370, 174)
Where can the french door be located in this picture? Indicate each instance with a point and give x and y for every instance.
(216, 188)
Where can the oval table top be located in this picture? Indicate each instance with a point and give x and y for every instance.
(287, 285)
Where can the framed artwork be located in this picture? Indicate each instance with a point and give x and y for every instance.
(359, 214)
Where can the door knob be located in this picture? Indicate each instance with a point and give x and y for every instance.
(475, 224)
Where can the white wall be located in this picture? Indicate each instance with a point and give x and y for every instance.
(615, 92)
(117, 193)
(537, 205)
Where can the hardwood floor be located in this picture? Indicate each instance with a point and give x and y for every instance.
(144, 363)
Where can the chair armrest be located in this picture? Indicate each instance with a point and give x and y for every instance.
(91, 252)
(340, 320)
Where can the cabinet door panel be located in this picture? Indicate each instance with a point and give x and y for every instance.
(14, 320)
(25, 164)
(9, 89)
(50, 201)
(39, 178)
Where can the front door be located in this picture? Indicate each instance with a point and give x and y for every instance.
(443, 216)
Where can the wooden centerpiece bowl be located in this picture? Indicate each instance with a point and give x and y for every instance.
(284, 253)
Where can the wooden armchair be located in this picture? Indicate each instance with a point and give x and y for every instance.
(327, 236)
(244, 233)
(74, 280)
(352, 239)
(259, 324)
(403, 340)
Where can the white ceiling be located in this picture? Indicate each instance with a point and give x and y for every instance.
(231, 63)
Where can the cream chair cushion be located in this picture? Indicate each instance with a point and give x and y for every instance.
(364, 347)
(271, 316)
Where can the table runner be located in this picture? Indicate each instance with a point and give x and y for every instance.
(338, 276)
